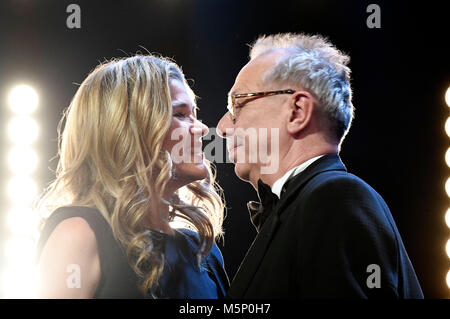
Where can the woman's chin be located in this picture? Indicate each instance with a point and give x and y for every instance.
(191, 172)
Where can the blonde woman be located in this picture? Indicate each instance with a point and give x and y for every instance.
(130, 162)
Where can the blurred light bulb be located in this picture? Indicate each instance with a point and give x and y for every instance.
(23, 221)
(22, 189)
(448, 279)
(447, 217)
(20, 251)
(23, 100)
(447, 187)
(447, 248)
(22, 160)
(447, 96)
(447, 127)
(22, 130)
(447, 157)
(19, 281)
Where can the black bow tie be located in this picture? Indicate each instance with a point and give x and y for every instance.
(260, 211)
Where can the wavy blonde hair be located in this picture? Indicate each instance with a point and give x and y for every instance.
(111, 158)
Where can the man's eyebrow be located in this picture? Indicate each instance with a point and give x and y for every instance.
(241, 89)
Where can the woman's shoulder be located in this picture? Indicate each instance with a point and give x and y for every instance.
(71, 242)
(69, 236)
(74, 223)
(91, 215)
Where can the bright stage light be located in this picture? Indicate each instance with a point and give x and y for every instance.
(23, 221)
(23, 100)
(448, 279)
(447, 187)
(447, 248)
(447, 218)
(447, 127)
(22, 130)
(19, 282)
(22, 189)
(447, 96)
(447, 157)
(17, 279)
(22, 160)
(20, 251)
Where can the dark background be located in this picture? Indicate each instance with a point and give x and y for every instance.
(399, 77)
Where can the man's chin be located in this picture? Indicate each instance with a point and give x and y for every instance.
(242, 171)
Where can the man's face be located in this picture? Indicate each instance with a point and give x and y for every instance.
(253, 139)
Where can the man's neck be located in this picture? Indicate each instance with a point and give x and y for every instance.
(288, 162)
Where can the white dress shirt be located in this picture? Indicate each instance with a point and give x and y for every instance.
(279, 183)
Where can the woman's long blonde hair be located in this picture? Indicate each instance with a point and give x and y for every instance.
(111, 158)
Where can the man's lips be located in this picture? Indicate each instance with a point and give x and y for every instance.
(232, 149)
(233, 143)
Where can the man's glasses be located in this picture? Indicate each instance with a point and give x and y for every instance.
(232, 106)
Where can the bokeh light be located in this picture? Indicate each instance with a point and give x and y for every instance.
(447, 248)
(20, 251)
(22, 190)
(447, 218)
(447, 157)
(447, 96)
(447, 187)
(23, 100)
(23, 221)
(19, 281)
(22, 160)
(448, 279)
(22, 130)
(447, 127)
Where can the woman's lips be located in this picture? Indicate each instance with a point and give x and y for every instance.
(198, 157)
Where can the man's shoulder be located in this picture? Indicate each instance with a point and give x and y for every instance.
(340, 182)
(345, 200)
(338, 196)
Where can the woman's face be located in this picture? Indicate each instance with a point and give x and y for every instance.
(183, 140)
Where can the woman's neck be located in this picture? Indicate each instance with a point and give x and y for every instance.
(159, 221)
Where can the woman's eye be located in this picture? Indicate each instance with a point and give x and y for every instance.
(182, 115)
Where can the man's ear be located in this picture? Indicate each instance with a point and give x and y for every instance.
(301, 106)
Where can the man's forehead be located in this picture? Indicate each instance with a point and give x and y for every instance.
(249, 78)
(251, 75)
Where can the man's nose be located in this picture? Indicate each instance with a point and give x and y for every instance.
(225, 126)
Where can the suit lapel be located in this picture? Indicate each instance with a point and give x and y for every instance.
(329, 162)
(258, 249)
(253, 258)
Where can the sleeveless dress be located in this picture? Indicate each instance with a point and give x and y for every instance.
(182, 278)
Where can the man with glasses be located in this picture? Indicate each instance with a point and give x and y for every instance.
(322, 232)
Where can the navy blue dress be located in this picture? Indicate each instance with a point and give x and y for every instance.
(182, 277)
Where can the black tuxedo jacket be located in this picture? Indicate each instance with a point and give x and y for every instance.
(329, 236)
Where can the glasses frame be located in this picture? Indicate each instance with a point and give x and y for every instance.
(232, 99)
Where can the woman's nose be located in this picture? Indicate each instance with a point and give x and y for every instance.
(199, 128)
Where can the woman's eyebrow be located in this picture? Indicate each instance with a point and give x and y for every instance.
(194, 109)
(179, 104)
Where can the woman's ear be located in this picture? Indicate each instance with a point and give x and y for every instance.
(301, 106)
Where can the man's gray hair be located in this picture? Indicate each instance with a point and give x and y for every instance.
(314, 63)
